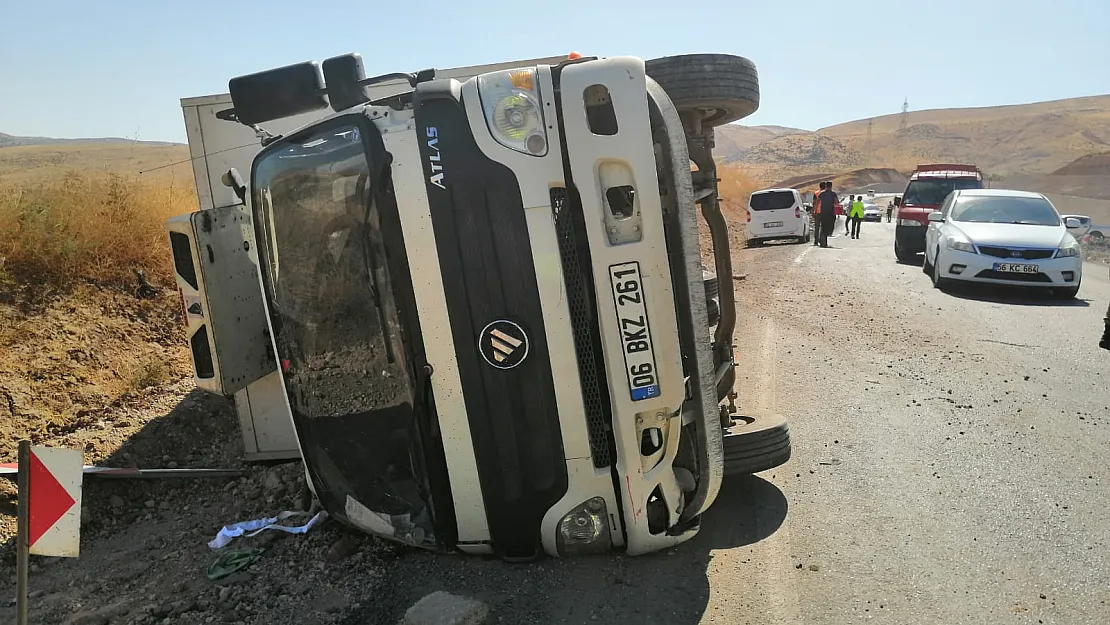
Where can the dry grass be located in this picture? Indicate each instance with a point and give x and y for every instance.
(75, 341)
(145, 374)
(98, 227)
(735, 186)
(33, 164)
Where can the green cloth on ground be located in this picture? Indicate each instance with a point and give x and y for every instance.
(232, 561)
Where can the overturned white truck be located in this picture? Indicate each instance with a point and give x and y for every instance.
(473, 301)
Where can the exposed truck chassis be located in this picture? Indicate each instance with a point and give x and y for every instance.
(546, 253)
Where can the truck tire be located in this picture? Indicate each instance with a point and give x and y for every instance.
(712, 288)
(725, 86)
(756, 443)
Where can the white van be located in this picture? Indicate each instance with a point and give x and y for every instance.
(777, 214)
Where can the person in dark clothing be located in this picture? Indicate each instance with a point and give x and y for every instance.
(1105, 342)
(816, 215)
(826, 202)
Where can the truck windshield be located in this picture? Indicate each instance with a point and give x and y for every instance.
(933, 191)
(337, 332)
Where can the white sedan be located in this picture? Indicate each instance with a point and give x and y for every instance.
(871, 212)
(997, 236)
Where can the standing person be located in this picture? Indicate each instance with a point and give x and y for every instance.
(889, 210)
(848, 216)
(1105, 342)
(856, 216)
(816, 215)
(826, 203)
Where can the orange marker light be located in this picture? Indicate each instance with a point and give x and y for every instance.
(521, 80)
(573, 55)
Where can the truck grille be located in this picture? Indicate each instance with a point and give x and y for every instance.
(583, 319)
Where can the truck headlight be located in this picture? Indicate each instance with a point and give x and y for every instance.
(909, 222)
(514, 113)
(585, 529)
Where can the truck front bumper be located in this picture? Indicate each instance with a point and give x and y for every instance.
(657, 508)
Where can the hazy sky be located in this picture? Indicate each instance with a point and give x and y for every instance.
(74, 68)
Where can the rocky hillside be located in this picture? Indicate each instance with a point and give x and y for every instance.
(1004, 140)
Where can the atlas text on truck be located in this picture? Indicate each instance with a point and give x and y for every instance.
(476, 296)
(926, 190)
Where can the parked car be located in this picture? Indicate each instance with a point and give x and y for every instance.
(871, 212)
(777, 214)
(1000, 236)
(1084, 226)
(1098, 232)
(928, 186)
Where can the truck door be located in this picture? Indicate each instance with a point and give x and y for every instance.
(216, 270)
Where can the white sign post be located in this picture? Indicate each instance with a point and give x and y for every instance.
(49, 521)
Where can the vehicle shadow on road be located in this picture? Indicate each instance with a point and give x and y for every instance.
(918, 261)
(1014, 296)
(670, 587)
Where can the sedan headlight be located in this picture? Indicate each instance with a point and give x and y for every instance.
(909, 222)
(1068, 251)
(961, 246)
(512, 105)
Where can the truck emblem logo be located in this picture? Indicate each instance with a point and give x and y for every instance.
(435, 165)
(503, 344)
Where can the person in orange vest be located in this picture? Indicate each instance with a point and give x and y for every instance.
(816, 215)
(826, 203)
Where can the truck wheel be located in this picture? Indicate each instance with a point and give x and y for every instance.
(711, 285)
(756, 443)
(725, 86)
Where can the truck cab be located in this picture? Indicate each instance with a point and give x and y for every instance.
(480, 298)
(926, 190)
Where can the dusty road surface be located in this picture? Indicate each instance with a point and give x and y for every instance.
(950, 466)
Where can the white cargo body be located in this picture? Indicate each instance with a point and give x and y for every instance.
(216, 146)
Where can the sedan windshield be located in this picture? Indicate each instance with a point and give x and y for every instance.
(1005, 210)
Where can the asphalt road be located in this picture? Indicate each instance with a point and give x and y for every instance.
(950, 449)
(950, 466)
